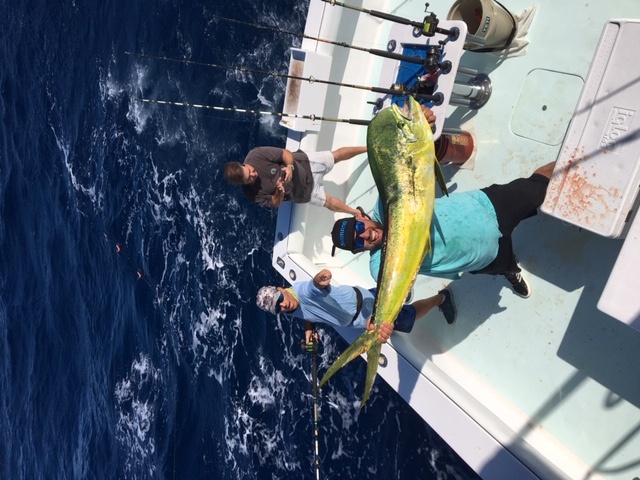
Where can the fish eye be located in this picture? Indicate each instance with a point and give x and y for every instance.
(400, 125)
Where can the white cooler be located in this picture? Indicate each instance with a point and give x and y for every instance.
(597, 174)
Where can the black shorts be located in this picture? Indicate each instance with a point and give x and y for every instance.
(513, 202)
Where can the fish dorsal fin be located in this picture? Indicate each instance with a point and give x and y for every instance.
(440, 178)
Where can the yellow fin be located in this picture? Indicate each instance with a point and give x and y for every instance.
(357, 348)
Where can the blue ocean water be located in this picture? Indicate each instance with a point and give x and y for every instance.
(130, 345)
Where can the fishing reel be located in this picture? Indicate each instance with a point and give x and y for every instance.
(433, 68)
(310, 346)
(430, 27)
(432, 63)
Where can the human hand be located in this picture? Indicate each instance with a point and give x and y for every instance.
(360, 215)
(311, 346)
(322, 278)
(277, 197)
(428, 114)
(287, 173)
(384, 330)
(311, 339)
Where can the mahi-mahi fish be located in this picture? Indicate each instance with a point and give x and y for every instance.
(404, 166)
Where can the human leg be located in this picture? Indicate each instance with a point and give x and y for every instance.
(513, 203)
(409, 313)
(321, 163)
(546, 170)
(505, 264)
(517, 200)
(346, 153)
(423, 305)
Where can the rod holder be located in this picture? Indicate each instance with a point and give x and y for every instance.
(469, 72)
(474, 94)
(475, 40)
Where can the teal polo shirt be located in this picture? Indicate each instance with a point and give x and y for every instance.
(464, 236)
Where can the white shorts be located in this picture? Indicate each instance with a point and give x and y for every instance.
(321, 163)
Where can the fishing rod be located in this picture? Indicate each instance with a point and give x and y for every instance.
(312, 347)
(256, 112)
(428, 26)
(436, 98)
(373, 51)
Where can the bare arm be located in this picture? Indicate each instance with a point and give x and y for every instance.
(289, 167)
(287, 157)
(337, 205)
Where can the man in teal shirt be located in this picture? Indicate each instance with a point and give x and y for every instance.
(470, 231)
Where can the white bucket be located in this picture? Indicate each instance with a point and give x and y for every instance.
(484, 19)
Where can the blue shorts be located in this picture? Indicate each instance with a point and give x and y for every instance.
(406, 317)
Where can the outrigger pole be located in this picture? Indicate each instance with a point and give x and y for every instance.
(373, 51)
(437, 98)
(256, 112)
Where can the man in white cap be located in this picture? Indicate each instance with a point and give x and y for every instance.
(317, 301)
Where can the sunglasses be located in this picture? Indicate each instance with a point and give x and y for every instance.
(358, 243)
(279, 302)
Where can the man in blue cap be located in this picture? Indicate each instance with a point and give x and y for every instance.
(470, 232)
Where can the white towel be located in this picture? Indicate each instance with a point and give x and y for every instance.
(519, 44)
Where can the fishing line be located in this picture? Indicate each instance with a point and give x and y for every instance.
(313, 118)
(373, 51)
(395, 90)
(313, 349)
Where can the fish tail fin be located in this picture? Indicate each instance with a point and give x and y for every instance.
(373, 355)
(357, 348)
(440, 177)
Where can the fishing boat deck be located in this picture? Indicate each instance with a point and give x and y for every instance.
(552, 379)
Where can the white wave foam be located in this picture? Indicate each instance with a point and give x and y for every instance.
(208, 324)
(136, 395)
(109, 88)
(64, 147)
(264, 390)
(247, 433)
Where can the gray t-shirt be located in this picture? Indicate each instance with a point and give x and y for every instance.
(268, 164)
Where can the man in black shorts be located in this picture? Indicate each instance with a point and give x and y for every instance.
(470, 231)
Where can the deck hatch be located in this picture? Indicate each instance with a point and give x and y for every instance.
(545, 106)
